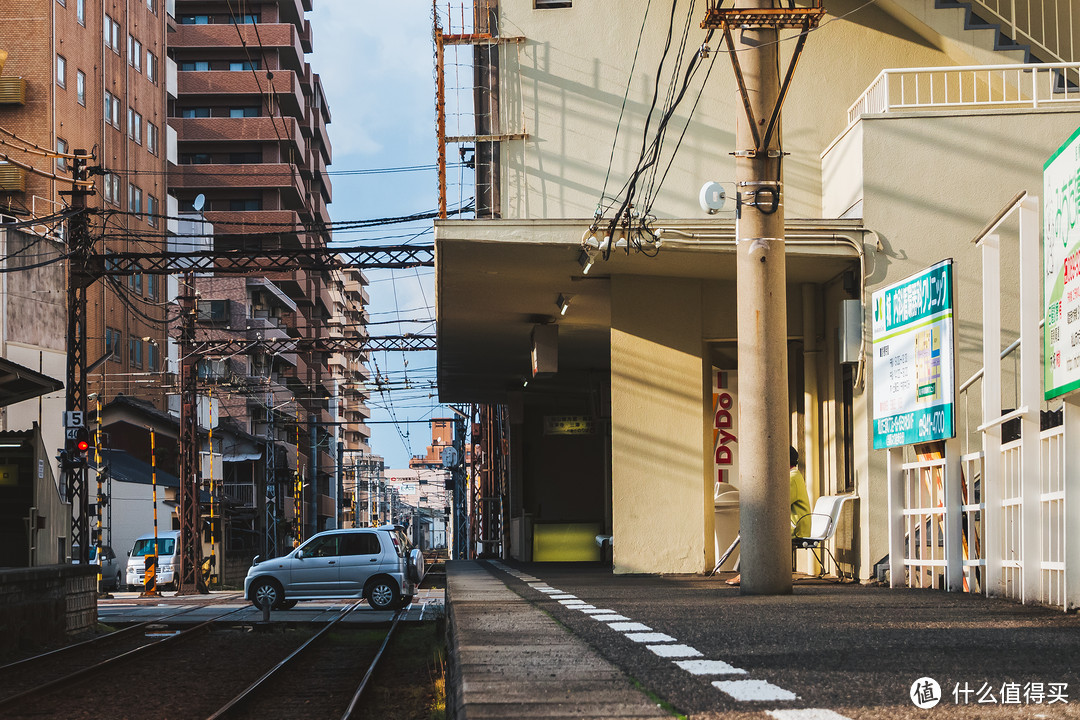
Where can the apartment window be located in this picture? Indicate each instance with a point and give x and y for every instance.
(135, 352)
(112, 343)
(151, 67)
(248, 19)
(151, 5)
(134, 53)
(245, 158)
(151, 357)
(152, 212)
(196, 159)
(194, 19)
(195, 66)
(62, 2)
(135, 202)
(550, 4)
(195, 112)
(151, 137)
(80, 12)
(80, 87)
(245, 205)
(111, 189)
(135, 282)
(241, 112)
(111, 32)
(131, 123)
(61, 71)
(245, 65)
(112, 109)
(61, 148)
(135, 123)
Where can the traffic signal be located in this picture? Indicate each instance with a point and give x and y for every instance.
(77, 454)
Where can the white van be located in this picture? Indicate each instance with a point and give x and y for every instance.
(168, 549)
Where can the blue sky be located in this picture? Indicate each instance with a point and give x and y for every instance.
(375, 60)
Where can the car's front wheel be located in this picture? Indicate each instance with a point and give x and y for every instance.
(266, 592)
(384, 595)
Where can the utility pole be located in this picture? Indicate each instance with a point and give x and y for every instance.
(764, 419)
(190, 573)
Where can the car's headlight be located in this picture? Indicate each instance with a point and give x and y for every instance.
(166, 568)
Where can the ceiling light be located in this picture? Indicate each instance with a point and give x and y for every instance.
(563, 302)
(585, 259)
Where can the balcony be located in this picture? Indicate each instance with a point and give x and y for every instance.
(282, 177)
(226, 86)
(231, 130)
(286, 39)
(242, 494)
(228, 222)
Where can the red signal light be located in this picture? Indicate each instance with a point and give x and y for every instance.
(83, 446)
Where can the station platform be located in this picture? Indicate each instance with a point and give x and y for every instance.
(548, 640)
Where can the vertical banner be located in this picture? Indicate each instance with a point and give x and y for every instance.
(914, 383)
(1061, 270)
(725, 407)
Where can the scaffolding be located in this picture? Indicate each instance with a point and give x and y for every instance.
(469, 56)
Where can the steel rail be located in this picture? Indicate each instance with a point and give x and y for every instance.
(255, 686)
(112, 635)
(91, 669)
(371, 668)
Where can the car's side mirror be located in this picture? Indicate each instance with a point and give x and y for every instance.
(299, 554)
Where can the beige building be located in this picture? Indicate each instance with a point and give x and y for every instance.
(904, 133)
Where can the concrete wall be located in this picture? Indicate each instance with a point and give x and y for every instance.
(658, 477)
(572, 86)
(43, 606)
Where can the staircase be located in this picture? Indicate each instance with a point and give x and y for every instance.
(1002, 41)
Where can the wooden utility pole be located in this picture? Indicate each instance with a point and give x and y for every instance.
(751, 33)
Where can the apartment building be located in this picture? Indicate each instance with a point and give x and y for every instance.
(888, 169)
(250, 118)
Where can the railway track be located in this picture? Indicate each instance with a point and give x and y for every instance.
(199, 671)
(322, 678)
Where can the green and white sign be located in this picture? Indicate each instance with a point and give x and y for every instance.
(1061, 269)
(914, 383)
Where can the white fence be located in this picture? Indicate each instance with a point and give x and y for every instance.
(1050, 27)
(998, 518)
(976, 86)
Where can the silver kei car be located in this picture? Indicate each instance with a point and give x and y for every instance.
(369, 563)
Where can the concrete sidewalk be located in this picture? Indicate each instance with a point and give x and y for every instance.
(508, 659)
(563, 640)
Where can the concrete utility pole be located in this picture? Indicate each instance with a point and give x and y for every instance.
(764, 507)
(763, 370)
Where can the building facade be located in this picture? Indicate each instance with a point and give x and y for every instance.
(625, 427)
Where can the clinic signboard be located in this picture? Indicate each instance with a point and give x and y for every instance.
(914, 383)
(1061, 270)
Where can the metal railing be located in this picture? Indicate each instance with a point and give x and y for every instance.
(972, 86)
(1050, 27)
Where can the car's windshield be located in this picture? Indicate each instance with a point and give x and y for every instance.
(145, 546)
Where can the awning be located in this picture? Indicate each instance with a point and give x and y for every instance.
(18, 383)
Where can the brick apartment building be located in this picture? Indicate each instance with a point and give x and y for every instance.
(89, 75)
(250, 118)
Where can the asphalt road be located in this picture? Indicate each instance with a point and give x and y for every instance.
(827, 651)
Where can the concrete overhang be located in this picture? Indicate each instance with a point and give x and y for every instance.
(496, 279)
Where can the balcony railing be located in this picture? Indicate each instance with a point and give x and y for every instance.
(1050, 27)
(978, 86)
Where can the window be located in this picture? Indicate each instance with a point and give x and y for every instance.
(151, 5)
(244, 65)
(151, 357)
(248, 19)
(245, 158)
(245, 205)
(112, 344)
(195, 66)
(195, 112)
(360, 544)
(134, 53)
(151, 280)
(547, 4)
(194, 19)
(111, 188)
(135, 352)
(152, 212)
(131, 123)
(62, 148)
(80, 87)
(135, 282)
(61, 71)
(151, 137)
(62, 2)
(240, 112)
(111, 32)
(151, 67)
(112, 109)
(135, 202)
(135, 123)
(196, 159)
(80, 12)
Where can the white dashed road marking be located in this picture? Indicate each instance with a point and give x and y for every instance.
(709, 667)
(629, 627)
(609, 618)
(563, 596)
(754, 690)
(674, 651)
(807, 714)
(650, 637)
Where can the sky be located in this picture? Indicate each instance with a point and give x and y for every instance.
(376, 64)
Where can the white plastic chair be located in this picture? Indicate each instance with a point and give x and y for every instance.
(823, 521)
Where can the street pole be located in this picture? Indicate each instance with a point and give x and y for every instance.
(762, 309)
